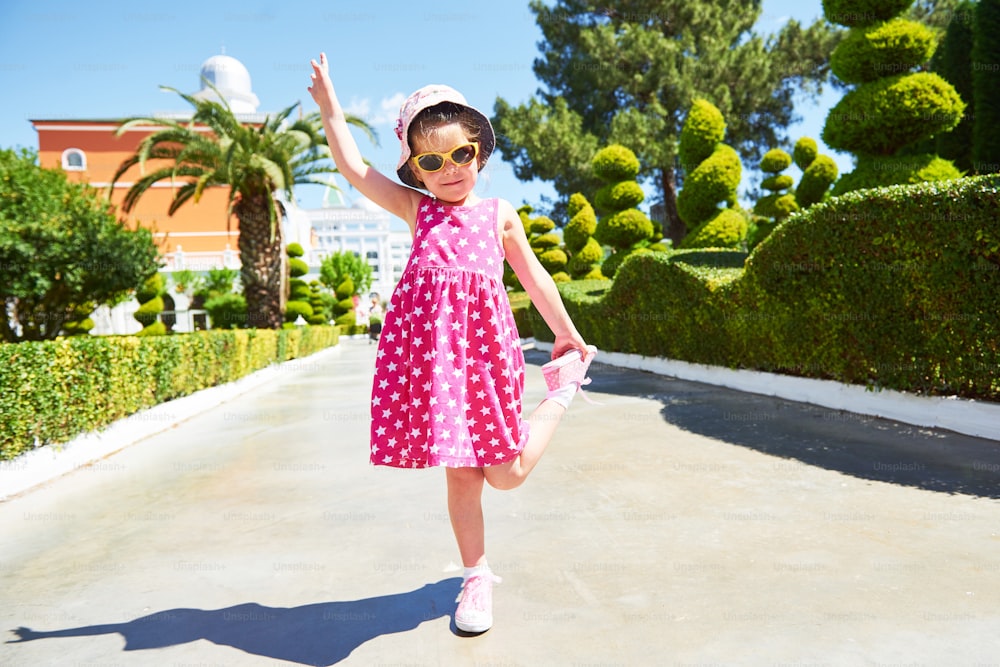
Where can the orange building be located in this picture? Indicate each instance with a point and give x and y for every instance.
(197, 236)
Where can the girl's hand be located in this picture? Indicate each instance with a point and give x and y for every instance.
(567, 342)
(322, 87)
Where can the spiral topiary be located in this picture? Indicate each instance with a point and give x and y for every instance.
(891, 107)
(713, 175)
(584, 250)
(300, 294)
(79, 322)
(150, 298)
(343, 310)
(622, 226)
(322, 304)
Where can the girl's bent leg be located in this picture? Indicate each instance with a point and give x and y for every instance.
(465, 507)
(544, 421)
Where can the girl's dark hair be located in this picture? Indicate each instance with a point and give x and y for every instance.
(430, 119)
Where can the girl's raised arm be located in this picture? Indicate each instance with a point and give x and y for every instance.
(393, 197)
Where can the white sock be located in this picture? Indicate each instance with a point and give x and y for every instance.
(478, 570)
(563, 395)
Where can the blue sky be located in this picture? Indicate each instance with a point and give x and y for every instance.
(102, 59)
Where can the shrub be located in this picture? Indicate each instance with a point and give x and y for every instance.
(816, 180)
(726, 229)
(867, 54)
(615, 163)
(227, 311)
(703, 129)
(52, 391)
(862, 13)
(908, 300)
(150, 298)
(545, 241)
(294, 250)
(621, 226)
(881, 117)
(624, 229)
(618, 196)
(713, 182)
(880, 172)
(775, 161)
(582, 223)
(891, 111)
(554, 260)
(805, 152)
(297, 267)
(541, 225)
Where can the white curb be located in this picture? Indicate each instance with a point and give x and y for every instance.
(968, 417)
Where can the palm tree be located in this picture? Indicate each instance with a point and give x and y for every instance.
(254, 161)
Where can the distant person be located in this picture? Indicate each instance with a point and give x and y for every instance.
(375, 316)
(449, 374)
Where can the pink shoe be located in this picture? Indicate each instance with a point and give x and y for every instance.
(570, 368)
(475, 605)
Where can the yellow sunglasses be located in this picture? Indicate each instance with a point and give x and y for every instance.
(460, 156)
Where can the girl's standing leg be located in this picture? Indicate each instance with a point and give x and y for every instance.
(465, 507)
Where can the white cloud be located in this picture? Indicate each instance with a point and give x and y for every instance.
(388, 109)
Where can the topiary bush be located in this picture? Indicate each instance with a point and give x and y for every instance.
(710, 181)
(150, 298)
(621, 226)
(343, 310)
(299, 302)
(819, 172)
(80, 322)
(585, 252)
(891, 107)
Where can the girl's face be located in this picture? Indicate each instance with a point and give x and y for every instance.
(453, 183)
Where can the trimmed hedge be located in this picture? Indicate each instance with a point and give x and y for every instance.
(52, 391)
(896, 288)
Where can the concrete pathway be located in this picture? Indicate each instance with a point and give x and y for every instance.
(674, 524)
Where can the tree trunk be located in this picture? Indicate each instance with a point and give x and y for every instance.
(261, 256)
(673, 227)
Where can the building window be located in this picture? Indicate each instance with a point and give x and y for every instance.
(73, 159)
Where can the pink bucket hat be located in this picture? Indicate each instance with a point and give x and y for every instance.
(425, 98)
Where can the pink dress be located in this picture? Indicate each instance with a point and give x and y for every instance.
(449, 372)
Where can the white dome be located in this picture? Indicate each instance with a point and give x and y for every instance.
(231, 78)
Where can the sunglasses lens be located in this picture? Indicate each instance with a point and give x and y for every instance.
(463, 154)
(431, 162)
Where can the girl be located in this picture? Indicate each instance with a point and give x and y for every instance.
(449, 372)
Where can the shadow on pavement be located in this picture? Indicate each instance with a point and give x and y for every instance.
(864, 447)
(316, 634)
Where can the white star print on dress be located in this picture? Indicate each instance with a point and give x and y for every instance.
(450, 371)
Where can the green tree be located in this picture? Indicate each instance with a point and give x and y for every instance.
(953, 61)
(337, 266)
(254, 161)
(986, 87)
(627, 71)
(62, 250)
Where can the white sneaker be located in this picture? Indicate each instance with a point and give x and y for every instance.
(475, 603)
